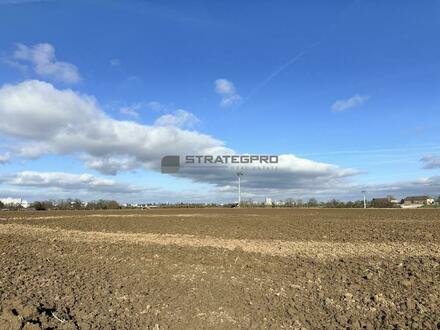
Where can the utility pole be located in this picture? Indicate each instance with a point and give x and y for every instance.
(365, 199)
(239, 174)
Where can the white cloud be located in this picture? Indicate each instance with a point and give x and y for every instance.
(112, 165)
(227, 91)
(44, 63)
(45, 120)
(180, 118)
(38, 111)
(5, 158)
(66, 181)
(115, 62)
(158, 107)
(352, 102)
(431, 162)
(129, 111)
(133, 109)
(155, 106)
(51, 121)
(291, 173)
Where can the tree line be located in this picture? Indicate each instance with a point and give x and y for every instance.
(312, 202)
(75, 204)
(332, 203)
(101, 204)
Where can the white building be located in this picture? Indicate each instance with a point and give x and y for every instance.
(268, 201)
(15, 202)
(417, 201)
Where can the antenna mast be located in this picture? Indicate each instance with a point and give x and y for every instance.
(239, 174)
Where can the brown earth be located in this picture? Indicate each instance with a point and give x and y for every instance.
(220, 268)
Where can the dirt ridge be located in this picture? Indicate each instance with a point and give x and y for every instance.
(314, 249)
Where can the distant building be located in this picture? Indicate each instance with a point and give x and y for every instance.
(268, 201)
(417, 201)
(138, 206)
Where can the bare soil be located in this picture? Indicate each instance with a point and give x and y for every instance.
(221, 269)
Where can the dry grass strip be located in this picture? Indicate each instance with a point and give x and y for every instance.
(313, 249)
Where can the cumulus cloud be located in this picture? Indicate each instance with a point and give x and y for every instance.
(66, 181)
(110, 165)
(180, 118)
(290, 173)
(41, 57)
(51, 121)
(430, 162)
(5, 158)
(353, 102)
(227, 91)
(46, 120)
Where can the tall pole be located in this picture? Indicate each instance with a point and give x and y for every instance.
(365, 199)
(239, 174)
(239, 192)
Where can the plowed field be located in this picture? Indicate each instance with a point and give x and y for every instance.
(221, 269)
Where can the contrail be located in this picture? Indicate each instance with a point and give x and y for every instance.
(295, 58)
(273, 75)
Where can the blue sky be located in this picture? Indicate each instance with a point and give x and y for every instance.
(351, 87)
